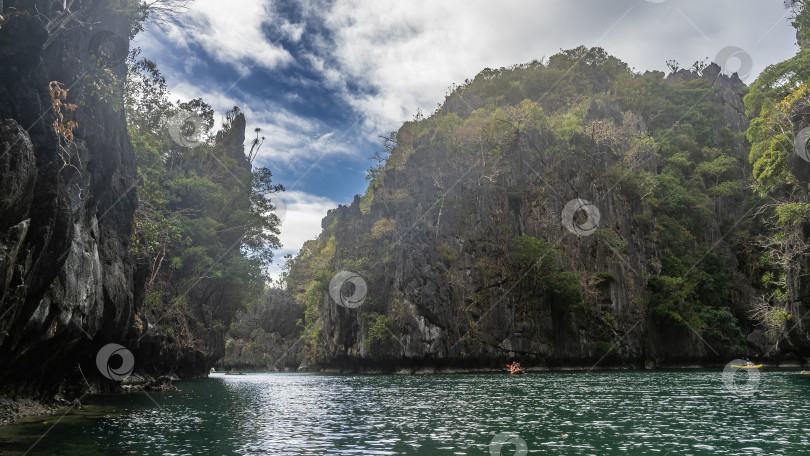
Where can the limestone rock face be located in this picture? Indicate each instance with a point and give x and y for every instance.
(67, 203)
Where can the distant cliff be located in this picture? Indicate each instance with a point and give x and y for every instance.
(266, 336)
(565, 212)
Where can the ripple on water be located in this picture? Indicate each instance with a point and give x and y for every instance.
(576, 413)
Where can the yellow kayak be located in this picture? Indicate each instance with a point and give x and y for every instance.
(758, 366)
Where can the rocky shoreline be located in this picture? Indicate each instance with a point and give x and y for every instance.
(16, 408)
(13, 409)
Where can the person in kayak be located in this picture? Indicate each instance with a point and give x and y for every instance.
(515, 367)
(748, 362)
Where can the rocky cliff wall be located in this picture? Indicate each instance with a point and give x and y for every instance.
(440, 234)
(66, 190)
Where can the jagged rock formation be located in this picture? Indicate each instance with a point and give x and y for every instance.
(66, 192)
(443, 234)
(729, 90)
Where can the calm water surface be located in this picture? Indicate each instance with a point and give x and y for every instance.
(557, 413)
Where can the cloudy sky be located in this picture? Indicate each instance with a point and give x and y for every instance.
(323, 79)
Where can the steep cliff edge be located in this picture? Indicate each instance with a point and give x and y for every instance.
(66, 191)
(568, 212)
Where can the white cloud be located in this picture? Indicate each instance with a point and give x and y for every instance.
(301, 223)
(303, 220)
(292, 31)
(233, 33)
(412, 51)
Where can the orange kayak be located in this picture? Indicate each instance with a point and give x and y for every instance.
(513, 372)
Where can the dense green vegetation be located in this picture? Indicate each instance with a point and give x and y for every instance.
(205, 226)
(779, 105)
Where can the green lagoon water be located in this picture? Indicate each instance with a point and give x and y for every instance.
(689, 412)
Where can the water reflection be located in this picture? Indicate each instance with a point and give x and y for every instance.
(680, 412)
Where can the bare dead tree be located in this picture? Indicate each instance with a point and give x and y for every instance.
(255, 145)
(62, 19)
(162, 13)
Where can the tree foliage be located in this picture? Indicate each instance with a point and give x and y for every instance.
(778, 103)
(205, 226)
